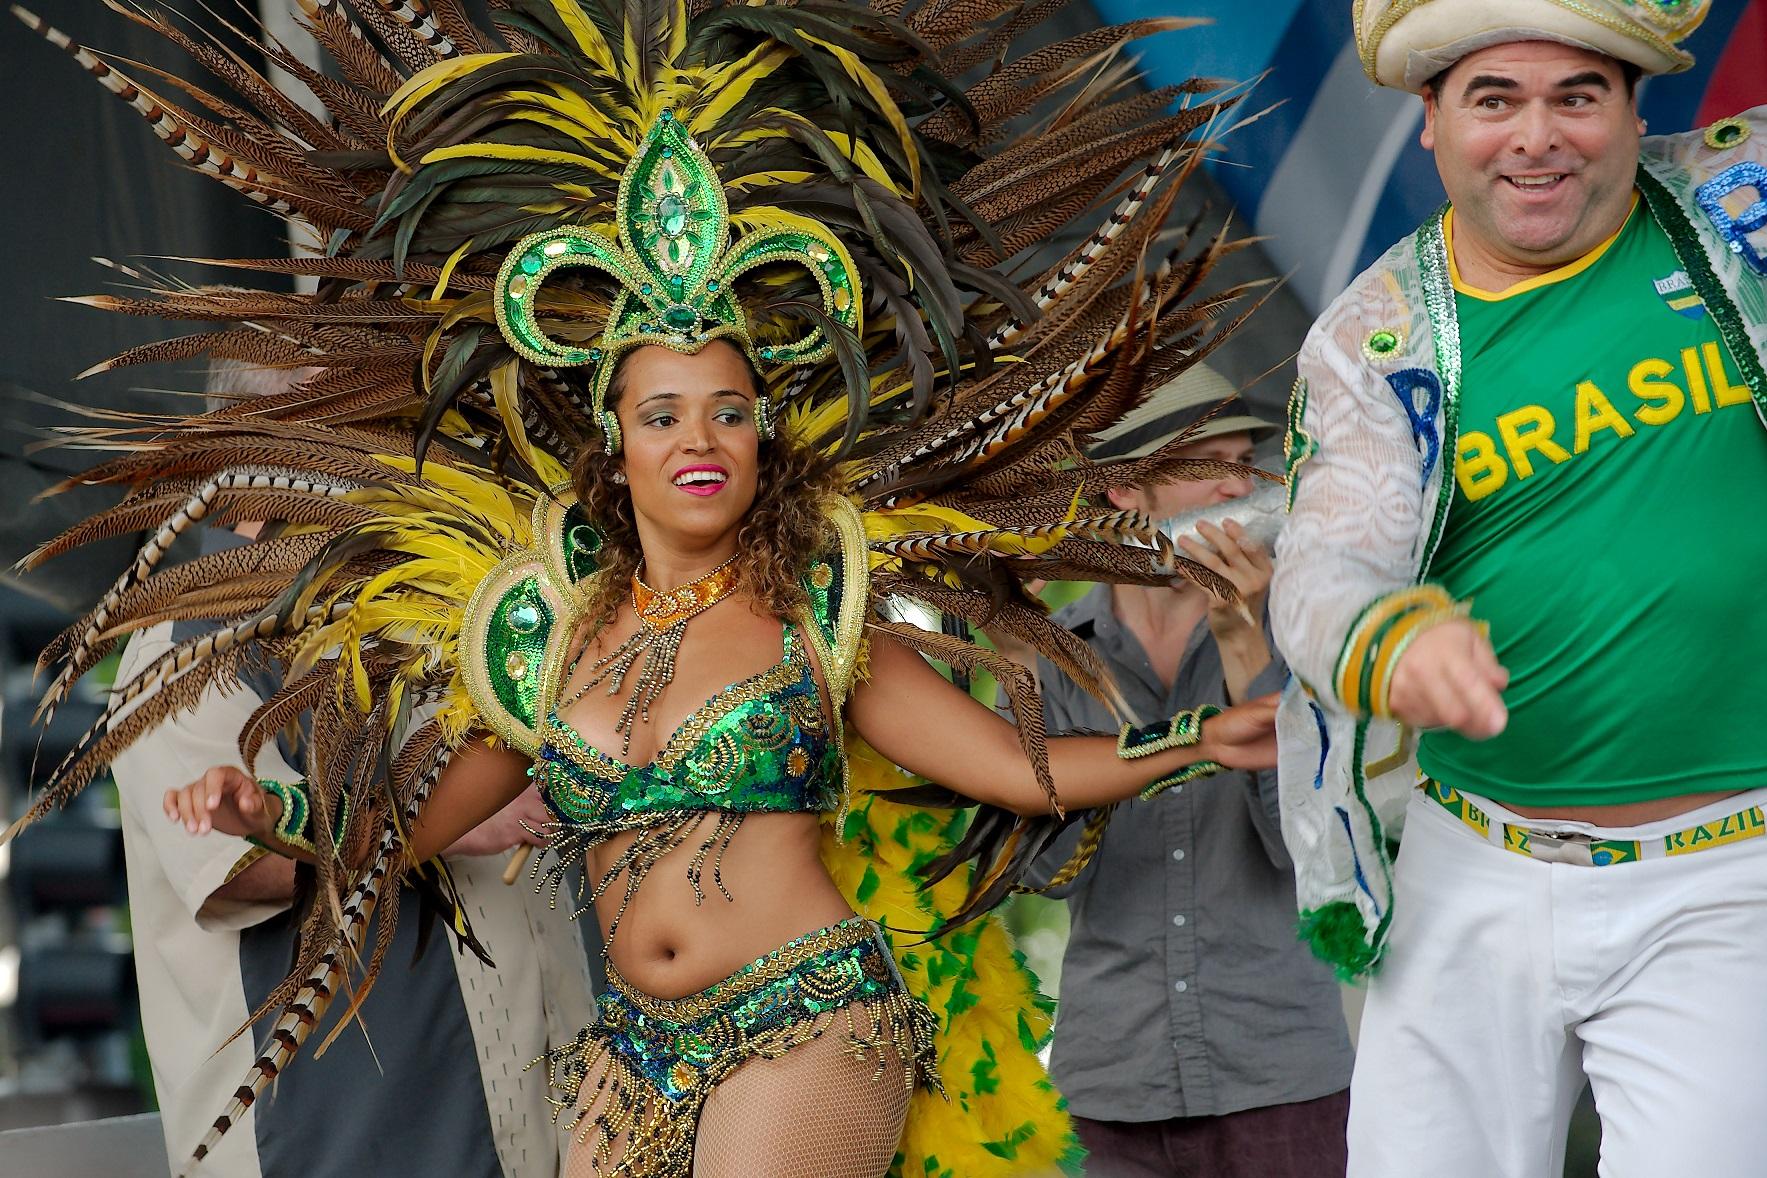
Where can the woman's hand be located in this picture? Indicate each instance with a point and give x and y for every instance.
(1242, 737)
(224, 799)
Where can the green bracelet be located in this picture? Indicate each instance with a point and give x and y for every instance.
(291, 827)
(1189, 773)
(297, 812)
(1181, 731)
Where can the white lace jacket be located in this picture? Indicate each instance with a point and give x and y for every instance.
(1371, 451)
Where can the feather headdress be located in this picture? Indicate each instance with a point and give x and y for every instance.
(488, 206)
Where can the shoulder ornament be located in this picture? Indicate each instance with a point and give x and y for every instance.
(507, 650)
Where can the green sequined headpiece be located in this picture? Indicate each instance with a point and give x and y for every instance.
(674, 267)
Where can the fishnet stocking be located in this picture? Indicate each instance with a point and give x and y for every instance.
(815, 1112)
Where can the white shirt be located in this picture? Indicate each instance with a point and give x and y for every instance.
(187, 954)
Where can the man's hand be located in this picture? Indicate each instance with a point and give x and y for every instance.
(1237, 626)
(504, 829)
(1242, 737)
(225, 799)
(1244, 565)
(1449, 677)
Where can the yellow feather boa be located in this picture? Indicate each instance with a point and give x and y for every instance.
(1003, 1116)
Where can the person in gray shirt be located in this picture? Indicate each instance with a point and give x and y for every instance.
(1195, 1035)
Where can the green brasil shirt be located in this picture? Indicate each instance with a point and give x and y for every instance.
(1608, 523)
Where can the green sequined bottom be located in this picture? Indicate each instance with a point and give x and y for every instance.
(641, 1074)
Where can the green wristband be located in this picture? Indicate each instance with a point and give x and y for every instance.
(1181, 731)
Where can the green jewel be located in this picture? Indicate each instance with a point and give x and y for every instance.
(1726, 133)
(1383, 343)
(671, 215)
(525, 618)
(680, 318)
(532, 261)
(645, 289)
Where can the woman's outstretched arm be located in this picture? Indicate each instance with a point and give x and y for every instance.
(478, 782)
(908, 712)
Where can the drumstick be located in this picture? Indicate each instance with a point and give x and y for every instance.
(518, 863)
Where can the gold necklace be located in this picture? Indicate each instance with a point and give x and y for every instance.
(662, 623)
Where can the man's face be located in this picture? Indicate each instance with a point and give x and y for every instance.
(1537, 144)
(1167, 499)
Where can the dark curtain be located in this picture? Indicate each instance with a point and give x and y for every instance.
(84, 177)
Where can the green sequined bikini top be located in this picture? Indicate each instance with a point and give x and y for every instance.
(764, 744)
(761, 745)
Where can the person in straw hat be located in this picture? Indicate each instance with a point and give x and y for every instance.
(1196, 1037)
(1514, 588)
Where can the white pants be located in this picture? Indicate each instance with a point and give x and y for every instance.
(1507, 980)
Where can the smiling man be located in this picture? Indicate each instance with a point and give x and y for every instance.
(1517, 592)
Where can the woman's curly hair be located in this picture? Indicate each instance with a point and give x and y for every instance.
(783, 533)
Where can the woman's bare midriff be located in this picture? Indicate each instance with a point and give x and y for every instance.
(670, 946)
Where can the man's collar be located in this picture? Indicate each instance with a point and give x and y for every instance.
(1087, 614)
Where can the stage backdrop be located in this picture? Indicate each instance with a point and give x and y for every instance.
(1337, 151)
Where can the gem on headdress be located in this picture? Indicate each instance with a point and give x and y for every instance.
(680, 317)
(531, 262)
(712, 285)
(671, 215)
(645, 289)
(524, 618)
(766, 353)
(517, 665)
(518, 286)
(553, 249)
(843, 298)
(818, 252)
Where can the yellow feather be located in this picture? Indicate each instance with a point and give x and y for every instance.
(428, 80)
(892, 114)
(729, 85)
(454, 260)
(583, 32)
(509, 151)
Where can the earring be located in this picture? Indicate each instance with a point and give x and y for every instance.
(764, 417)
(619, 478)
(610, 432)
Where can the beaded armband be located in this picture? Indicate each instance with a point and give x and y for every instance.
(297, 813)
(1181, 731)
(1184, 776)
(1380, 636)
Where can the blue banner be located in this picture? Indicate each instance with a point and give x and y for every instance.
(1333, 172)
